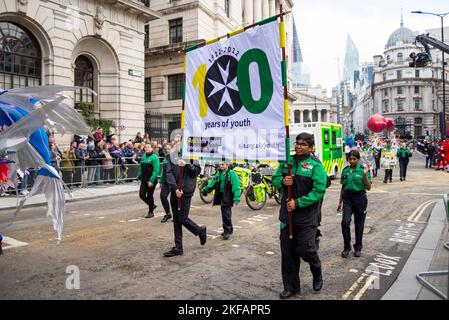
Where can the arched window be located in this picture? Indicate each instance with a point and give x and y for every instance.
(314, 115)
(20, 57)
(323, 115)
(297, 116)
(305, 116)
(84, 77)
(400, 57)
(418, 127)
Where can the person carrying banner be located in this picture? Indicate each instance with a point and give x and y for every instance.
(190, 171)
(308, 183)
(355, 180)
(403, 154)
(165, 189)
(147, 174)
(388, 162)
(227, 193)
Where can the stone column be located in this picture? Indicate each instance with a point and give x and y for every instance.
(257, 10)
(248, 12)
(272, 8)
(265, 9)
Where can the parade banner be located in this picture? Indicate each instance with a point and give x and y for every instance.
(234, 98)
(388, 159)
(367, 158)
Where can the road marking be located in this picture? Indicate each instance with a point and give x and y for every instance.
(422, 211)
(100, 217)
(135, 220)
(354, 286)
(413, 215)
(353, 270)
(269, 252)
(87, 214)
(12, 243)
(362, 291)
(122, 221)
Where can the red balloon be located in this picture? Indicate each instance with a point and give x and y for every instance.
(390, 124)
(376, 123)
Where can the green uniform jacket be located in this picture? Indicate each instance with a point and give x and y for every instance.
(149, 168)
(162, 178)
(404, 153)
(309, 187)
(354, 180)
(221, 177)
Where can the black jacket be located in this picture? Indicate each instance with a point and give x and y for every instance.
(189, 174)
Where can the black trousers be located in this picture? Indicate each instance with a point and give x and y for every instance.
(353, 203)
(302, 246)
(146, 194)
(429, 161)
(165, 192)
(226, 216)
(388, 174)
(403, 163)
(181, 218)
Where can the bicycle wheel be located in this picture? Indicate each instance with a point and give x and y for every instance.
(209, 198)
(256, 197)
(277, 195)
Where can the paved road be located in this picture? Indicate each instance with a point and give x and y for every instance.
(119, 254)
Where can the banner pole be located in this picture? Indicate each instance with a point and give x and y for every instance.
(180, 169)
(286, 116)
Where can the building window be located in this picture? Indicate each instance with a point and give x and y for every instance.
(226, 7)
(297, 116)
(399, 74)
(418, 127)
(314, 115)
(175, 87)
(175, 27)
(400, 90)
(146, 3)
(20, 57)
(400, 57)
(147, 90)
(84, 77)
(147, 37)
(400, 105)
(417, 89)
(384, 76)
(386, 106)
(416, 73)
(433, 105)
(306, 117)
(323, 115)
(417, 105)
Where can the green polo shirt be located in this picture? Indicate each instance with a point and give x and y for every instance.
(354, 180)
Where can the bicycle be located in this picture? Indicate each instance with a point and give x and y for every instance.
(256, 195)
(203, 180)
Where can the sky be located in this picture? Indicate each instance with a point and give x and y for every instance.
(323, 26)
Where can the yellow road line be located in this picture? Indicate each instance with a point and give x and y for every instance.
(362, 291)
(353, 287)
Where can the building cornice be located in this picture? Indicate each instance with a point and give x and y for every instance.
(136, 8)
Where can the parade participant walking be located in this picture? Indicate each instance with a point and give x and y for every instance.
(227, 193)
(355, 180)
(403, 154)
(190, 171)
(165, 189)
(147, 174)
(388, 172)
(428, 152)
(308, 183)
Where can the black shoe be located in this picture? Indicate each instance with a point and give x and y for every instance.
(173, 252)
(166, 218)
(400, 179)
(203, 235)
(318, 283)
(345, 253)
(391, 181)
(225, 236)
(357, 253)
(150, 215)
(288, 294)
(385, 181)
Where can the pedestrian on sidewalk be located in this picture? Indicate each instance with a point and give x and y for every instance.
(404, 154)
(226, 184)
(308, 183)
(148, 172)
(355, 180)
(165, 188)
(190, 171)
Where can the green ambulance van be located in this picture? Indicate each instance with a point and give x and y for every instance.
(328, 144)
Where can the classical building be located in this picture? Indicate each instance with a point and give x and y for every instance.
(411, 96)
(94, 43)
(186, 22)
(312, 105)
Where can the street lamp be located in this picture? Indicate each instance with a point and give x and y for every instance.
(441, 15)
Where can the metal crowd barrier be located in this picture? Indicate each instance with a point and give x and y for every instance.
(420, 276)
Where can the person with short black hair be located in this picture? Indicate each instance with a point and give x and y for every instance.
(308, 182)
(147, 174)
(355, 180)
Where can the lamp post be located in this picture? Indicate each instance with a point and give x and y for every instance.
(441, 16)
